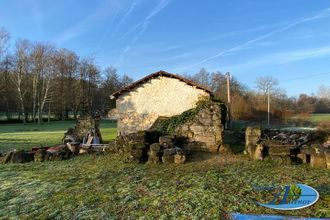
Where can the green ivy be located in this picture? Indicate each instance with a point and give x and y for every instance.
(169, 125)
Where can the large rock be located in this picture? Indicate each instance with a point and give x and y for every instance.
(259, 153)
(252, 135)
(155, 147)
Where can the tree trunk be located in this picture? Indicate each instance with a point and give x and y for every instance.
(48, 113)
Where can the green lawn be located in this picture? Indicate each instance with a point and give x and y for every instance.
(97, 187)
(18, 136)
(320, 117)
(313, 117)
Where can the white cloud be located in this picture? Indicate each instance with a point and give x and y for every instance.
(142, 26)
(245, 45)
(284, 57)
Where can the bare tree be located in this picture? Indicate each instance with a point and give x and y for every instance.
(21, 71)
(67, 90)
(4, 39)
(43, 70)
(5, 65)
(46, 80)
(324, 92)
(125, 81)
(202, 77)
(267, 85)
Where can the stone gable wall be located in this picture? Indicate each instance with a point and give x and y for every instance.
(161, 96)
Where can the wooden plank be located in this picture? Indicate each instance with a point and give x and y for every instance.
(89, 140)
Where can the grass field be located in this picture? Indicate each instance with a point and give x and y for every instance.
(317, 117)
(95, 187)
(18, 136)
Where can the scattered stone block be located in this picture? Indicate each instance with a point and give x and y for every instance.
(280, 149)
(327, 158)
(318, 160)
(259, 153)
(155, 147)
(303, 158)
(179, 159)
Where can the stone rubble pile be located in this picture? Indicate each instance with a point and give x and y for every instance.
(288, 147)
(149, 146)
(295, 138)
(85, 125)
(85, 137)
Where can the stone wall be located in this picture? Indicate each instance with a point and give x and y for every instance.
(205, 131)
(139, 108)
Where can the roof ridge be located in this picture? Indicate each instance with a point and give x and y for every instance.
(154, 75)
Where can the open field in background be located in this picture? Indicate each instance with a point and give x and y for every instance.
(315, 117)
(298, 121)
(19, 136)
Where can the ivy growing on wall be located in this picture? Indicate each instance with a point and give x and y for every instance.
(169, 125)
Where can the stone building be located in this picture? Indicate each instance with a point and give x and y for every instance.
(160, 94)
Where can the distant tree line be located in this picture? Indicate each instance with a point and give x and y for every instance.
(37, 79)
(251, 104)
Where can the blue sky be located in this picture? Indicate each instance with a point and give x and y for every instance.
(288, 39)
